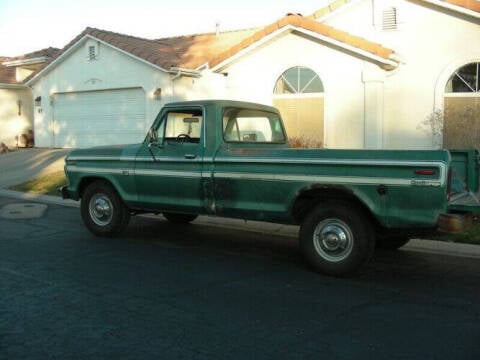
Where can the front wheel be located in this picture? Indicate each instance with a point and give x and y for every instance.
(102, 209)
(336, 238)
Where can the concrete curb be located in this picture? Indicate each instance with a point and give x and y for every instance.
(48, 199)
(443, 248)
(418, 245)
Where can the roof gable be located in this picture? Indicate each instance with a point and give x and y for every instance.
(325, 32)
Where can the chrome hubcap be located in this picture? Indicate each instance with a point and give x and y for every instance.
(100, 209)
(333, 240)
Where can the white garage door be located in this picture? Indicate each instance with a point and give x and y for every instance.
(110, 117)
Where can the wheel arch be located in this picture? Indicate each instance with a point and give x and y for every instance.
(87, 180)
(309, 197)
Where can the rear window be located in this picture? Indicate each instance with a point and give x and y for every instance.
(252, 126)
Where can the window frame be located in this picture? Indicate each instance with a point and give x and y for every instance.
(160, 127)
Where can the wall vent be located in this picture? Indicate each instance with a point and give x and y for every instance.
(389, 19)
(92, 54)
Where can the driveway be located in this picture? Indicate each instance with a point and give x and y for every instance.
(25, 164)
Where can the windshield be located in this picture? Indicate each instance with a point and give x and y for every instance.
(252, 126)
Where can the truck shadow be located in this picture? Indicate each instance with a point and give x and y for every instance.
(401, 268)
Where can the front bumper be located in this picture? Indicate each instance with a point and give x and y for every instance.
(65, 193)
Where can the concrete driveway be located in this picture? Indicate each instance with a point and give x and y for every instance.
(25, 164)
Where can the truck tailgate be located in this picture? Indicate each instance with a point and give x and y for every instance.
(465, 181)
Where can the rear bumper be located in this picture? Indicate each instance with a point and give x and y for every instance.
(455, 223)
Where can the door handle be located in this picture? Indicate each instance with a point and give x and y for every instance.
(190, 156)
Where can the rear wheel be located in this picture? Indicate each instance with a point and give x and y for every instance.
(336, 238)
(102, 209)
(179, 218)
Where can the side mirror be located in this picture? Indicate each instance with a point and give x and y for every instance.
(152, 136)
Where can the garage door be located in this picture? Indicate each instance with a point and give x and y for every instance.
(96, 118)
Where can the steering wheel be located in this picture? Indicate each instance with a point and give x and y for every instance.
(183, 137)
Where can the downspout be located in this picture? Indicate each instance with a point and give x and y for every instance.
(178, 72)
(175, 77)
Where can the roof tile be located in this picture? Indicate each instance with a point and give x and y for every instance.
(307, 24)
(473, 5)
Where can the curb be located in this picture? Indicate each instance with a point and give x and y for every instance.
(417, 245)
(40, 198)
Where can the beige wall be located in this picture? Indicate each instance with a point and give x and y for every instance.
(11, 123)
(432, 44)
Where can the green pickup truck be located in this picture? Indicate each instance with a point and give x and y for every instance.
(232, 159)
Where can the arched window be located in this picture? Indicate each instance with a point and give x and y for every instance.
(465, 79)
(298, 80)
(298, 94)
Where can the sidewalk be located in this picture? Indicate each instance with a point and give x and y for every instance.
(25, 164)
(417, 245)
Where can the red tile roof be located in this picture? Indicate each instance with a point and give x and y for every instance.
(48, 53)
(301, 22)
(473, 5)
(192, 51)
(185, 51)
(7, 75)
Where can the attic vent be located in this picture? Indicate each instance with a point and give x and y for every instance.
(389, 20)
(92, 53)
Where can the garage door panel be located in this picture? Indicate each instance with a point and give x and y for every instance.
(110, 117)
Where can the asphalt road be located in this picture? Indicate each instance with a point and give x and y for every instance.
(204, 292)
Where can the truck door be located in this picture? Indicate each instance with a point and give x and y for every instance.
(168, 169)
(242, 173)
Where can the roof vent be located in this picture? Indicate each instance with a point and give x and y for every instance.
(389, 19)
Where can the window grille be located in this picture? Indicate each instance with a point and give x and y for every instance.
(298, 80)
(465, 80)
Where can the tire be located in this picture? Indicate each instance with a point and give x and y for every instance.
(337, 239)
(391, 242)
(179, 218)
(103, 211)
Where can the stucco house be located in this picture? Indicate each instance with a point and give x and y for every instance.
(16, 102)
(355, 74)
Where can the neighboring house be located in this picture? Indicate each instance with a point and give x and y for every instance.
(356, 74)
(16, 103)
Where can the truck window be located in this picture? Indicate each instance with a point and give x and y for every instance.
(252, 126)
(183, 126)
